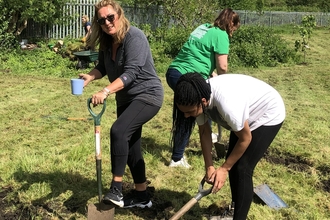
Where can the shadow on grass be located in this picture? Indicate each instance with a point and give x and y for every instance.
(78, 186)
(163, 208)
(69, 193)
(59, 183)
(150, 145)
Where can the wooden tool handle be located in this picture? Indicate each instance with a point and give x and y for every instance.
(184, 209)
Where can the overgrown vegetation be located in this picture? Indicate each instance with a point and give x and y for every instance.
(186, 13)
(7, 40)
(251, 46)
(255, 46)
(252, 5)
(41, 60)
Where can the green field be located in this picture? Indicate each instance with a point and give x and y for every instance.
(47, 166)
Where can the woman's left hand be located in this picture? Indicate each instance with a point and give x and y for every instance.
(209, 178)
(219, 177)
(98, 98)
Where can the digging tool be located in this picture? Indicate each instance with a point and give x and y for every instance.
(201, 193)
(269, 197)
(68, 118)
(99, 211)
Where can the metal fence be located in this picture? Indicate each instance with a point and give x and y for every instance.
(76, 8)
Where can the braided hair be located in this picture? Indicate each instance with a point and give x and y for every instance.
(189, 91)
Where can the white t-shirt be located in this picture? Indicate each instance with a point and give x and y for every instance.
(236, 98)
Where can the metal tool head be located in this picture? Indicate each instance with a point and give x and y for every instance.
(201, 191)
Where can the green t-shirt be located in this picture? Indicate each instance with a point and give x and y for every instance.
(198, 53)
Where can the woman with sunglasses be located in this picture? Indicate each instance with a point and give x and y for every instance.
(251, 109)
(205, 52)
(125, 57)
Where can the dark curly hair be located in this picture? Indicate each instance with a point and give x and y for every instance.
(189, 91)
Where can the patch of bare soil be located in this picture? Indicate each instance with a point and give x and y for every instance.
(21, 212)
(161, 208)
(300, 164)
(294, 162)
(3, 205)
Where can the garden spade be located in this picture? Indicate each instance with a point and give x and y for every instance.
(201, 193)
(99, 211)
(268, 196)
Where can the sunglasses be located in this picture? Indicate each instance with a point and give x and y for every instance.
(110, 18)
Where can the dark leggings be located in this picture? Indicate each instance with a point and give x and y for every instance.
(240, 175)
(125, 139)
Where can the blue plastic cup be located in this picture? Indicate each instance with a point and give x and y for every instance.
(77, 86)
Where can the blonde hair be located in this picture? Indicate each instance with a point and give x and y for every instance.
(86, 17)
(98, 36)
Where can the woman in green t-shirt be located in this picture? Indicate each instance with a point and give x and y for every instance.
(205, 52)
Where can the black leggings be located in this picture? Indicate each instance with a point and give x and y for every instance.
(240, 175)
(125, 139)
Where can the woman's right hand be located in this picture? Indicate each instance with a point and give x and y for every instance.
(87, 78)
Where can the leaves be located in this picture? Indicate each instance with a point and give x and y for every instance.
(305, 30)
(18, 12)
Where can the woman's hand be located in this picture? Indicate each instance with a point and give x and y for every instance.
(87, 78)
(208, 176)
(218, 178)
(98, 98)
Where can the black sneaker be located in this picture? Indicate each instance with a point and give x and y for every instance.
(114, 196)
(132, 200)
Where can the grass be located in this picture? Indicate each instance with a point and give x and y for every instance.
(47, 164)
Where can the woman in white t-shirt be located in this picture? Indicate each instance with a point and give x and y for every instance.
(251, 109)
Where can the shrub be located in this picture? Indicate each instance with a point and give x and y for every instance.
(254, 46)
(7, 40)
(40, 61)
(174, 38)
(246, 54)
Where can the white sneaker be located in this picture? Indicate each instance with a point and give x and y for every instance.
(181, 163)
(220, 218)
(214, 137)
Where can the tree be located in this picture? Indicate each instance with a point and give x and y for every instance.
(237, 4)
(260, 7)
(305, 30)
(18, 12)
(324, 5)
(6, 39)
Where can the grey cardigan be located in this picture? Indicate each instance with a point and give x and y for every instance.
(134, 65)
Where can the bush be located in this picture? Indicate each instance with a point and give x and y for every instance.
(246, 54)
(39, 61)
(7, 40)
(255, 46)
(174, 38)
